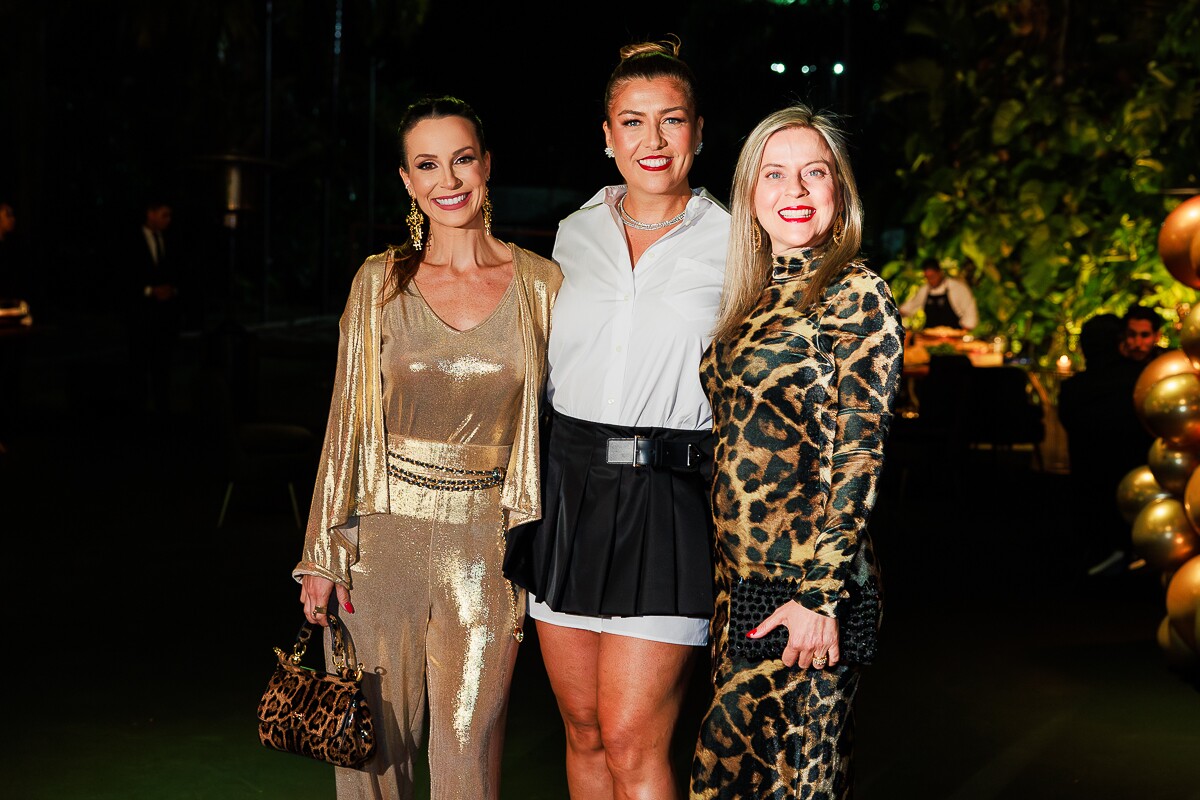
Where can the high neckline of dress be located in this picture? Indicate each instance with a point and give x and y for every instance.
(794, 265)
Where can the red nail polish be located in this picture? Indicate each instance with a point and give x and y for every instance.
(751, 633)
(348, 607)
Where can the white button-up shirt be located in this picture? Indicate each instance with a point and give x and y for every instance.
(625, 343)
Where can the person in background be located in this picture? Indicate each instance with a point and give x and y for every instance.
(620, 571)
(1105, 439)
(802, 375)
(154, 313)
(430, 456)
(947, 302)
(1143, 328)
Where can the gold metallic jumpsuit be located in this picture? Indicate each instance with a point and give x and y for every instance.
(434, 616)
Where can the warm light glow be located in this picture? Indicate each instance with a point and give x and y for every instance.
(1064, 363)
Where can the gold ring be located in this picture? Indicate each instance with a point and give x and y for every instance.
(819, 662)
(319, 610)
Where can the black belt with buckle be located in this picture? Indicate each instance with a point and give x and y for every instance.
(642, 452)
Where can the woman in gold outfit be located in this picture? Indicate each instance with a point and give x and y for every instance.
(802, 376)
(430, 455)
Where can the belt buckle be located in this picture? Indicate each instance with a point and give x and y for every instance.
(625, 451)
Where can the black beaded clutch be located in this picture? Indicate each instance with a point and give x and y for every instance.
(755, 598)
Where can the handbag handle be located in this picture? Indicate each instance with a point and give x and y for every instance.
(345, 659)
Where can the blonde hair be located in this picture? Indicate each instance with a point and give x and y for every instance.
(748, 268)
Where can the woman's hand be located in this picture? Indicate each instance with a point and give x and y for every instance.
(314, 594)
(812, 637)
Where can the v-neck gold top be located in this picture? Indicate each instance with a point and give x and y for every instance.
(447, 385)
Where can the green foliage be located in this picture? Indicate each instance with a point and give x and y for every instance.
(1042, 142)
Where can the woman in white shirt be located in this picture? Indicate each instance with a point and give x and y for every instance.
(620, 573)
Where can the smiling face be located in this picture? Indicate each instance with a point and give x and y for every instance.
(445, 170)
(654, 132)
(796, 195)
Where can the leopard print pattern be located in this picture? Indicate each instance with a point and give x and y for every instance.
(802, 403)
(319, 716)
(777, 733)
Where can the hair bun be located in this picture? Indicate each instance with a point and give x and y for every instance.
(667, 47)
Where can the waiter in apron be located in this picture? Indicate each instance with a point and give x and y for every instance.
(947, 302)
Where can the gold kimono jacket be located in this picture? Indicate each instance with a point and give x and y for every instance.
(352, 478)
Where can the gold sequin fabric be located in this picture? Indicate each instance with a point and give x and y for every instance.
(417, 409)
(352, 475)
(432, 626)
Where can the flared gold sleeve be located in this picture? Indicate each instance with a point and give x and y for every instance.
(352, 474)
(539, 283)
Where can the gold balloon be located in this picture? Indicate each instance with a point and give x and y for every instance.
(1189, 333)
(1138, 488)
(1196, 630)
(1163, 534)
(1172, 362)
(1183, 598)
(1191, 499)
(1175, 241)
(1171, 466)
(1171, 410)
(1179, 652)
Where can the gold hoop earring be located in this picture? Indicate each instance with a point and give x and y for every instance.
(487, 212)
(755, 236)
(416, 222)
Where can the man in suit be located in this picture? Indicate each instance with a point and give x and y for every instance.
(154, 313)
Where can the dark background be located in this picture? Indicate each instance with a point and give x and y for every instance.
(151, 556)
(104, 105)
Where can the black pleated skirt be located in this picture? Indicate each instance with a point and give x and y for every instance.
(616, 540)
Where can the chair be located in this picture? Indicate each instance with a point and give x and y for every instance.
(275, 451)
(255, 450)
(931, 445)
(1003, 410)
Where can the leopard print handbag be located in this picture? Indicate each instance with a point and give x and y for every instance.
(319, 715)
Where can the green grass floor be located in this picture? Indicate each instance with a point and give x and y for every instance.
(140, 635)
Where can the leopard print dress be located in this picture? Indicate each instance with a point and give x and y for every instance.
(802, 402)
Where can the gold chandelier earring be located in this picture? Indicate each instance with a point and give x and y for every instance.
(839, 231)
(416, 222)
(487, 212)
(755, 236)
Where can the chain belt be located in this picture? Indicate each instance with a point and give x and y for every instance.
(463, 480)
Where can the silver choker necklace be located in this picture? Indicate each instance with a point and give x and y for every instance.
(646, 226)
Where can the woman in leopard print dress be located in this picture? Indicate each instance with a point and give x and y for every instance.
(802, 375)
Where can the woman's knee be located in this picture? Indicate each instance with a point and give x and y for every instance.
(583, 728)
(628, 749)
